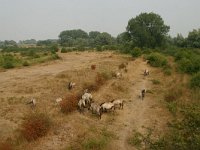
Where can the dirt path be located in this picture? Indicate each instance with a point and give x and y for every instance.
(138, 113)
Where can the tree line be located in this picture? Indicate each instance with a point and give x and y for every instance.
(147, 30)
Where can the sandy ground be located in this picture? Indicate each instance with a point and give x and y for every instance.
(48, 81)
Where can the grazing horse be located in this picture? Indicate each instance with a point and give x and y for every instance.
(118, 102)
(71, 85)
(107, 106)
(143, 93)
(81, 105)
(58, 100)
(119, 75)
(146, 72)
(95, 108)
(32, 102)
(87, 97)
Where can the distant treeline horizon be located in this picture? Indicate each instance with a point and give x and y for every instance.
(147, 30)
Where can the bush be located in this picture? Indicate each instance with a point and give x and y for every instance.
(35, 125)
(136, 52)
(32, 53)
(184, 65)
(157, 60)
(185, 133)
(55, 56)
(69, 103)
(99, 48)
(25, 63)
(64, 50)
(54, 48)
(8, 61)
(188, 61)
(195, 81)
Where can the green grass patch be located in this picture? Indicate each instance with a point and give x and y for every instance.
(98, 143)
(172, 106)
(154, 81)
(135, 140)
(195, 81)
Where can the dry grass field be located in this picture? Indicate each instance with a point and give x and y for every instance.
(73, 130)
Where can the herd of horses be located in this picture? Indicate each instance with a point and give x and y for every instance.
(87, 102)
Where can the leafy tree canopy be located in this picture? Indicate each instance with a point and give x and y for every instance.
(147, 30)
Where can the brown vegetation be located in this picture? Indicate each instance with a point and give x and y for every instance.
(5, 146)
(122, 66)
(69, 103)
(35, 125)
(93, 67)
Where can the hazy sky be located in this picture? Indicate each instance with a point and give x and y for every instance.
(45, 19)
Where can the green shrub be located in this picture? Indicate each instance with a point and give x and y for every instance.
(157, 60)
(99, 48)
(26, 63)
(55, 56)
(180, 54)
(8, 61)
(195, 81)
(136, 52)
(54, 48)
(188, 61)
(185, 133)
(32, 53)
(64, 50)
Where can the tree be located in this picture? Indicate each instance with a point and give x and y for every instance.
(180, 41)
(147, 30)
(48, 42)
(67, 37)
(9, 43)
(193, 39)
(103, 39)
(94, 34)
(31, 41)
(123, 38)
